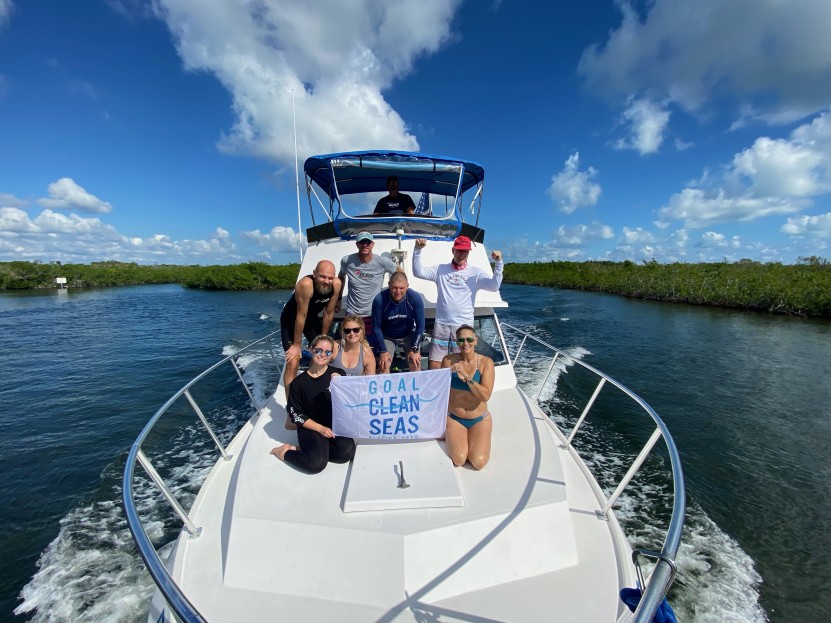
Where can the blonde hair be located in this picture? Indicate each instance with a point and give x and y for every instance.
(360, 322)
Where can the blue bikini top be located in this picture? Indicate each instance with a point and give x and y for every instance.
(457, 383)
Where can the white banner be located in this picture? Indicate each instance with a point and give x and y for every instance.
(407, 405)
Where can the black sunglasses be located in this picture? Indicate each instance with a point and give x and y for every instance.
(351, 330)
(462, 340)
(320, 351)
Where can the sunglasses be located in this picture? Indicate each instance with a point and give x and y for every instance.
(462, 340)
(320, 351)
(351, 330)
(364, 242)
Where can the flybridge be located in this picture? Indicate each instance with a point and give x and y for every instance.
(346, 186)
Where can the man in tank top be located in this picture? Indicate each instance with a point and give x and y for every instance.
(301, 315)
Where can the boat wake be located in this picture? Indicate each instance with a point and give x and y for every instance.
(92, 570)
(717, 581)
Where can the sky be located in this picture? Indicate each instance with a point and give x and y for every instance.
(162, 131)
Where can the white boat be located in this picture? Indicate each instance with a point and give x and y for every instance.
(532, 537)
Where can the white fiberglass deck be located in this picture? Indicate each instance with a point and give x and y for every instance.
(276, 544)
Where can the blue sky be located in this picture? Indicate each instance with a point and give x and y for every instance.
(161, 131)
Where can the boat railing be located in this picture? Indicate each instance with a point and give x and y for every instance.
(664, 572)
(155, 566)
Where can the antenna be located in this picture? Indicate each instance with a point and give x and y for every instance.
(297, 180)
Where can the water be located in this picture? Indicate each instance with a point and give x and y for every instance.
(745, 396)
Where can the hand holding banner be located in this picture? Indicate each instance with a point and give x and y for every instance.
(407, 405)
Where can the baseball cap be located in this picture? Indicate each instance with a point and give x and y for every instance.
(462, 243)
(364, 235)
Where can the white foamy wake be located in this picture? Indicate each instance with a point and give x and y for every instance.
(717, 581)
(264, 316)
(92, 571)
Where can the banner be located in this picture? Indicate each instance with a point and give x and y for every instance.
(407, 405)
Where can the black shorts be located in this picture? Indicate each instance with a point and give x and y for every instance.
(313, 328)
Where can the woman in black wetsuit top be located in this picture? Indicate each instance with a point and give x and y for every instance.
(310, 408)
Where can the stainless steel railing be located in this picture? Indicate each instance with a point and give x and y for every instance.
(156, 567)
(664, 573)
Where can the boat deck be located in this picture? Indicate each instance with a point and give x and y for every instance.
(294, 553)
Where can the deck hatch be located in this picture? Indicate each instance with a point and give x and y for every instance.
(374, 477)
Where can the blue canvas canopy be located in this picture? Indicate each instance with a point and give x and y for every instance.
(366, 171)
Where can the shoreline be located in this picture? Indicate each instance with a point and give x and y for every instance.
(802, 290)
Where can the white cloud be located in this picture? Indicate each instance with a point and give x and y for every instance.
(682, 145)
(10, 201)
(71, 238)
(572, 188)
(280, 239)
(566, 243)
(647, 122)
(816, 226)
(6, 7)
(716, 240)
(65, 194)
(338, 57)
(700, 208)
(772, 177)
(82, 87)
(580, 235)
(636, 236)
(771, 58)
(14, 220)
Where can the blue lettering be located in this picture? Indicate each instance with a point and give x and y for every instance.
(402, 385)
(393, 405)
(373, 406)
(415, 388)
(373, 387)
(387, 386)
(413, 424)
(415, 402)
(373, 427)
(400, 429)
(403, 405)
(387, 426)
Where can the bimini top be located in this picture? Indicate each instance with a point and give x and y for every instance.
(366, 171)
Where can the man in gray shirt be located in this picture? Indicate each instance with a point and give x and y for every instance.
(364, 274)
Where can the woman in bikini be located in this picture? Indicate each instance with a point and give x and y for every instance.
(469, 424)
(353, 354)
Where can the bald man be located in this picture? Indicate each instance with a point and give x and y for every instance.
(301, 316)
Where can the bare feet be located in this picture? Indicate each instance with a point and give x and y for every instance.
(280, 451)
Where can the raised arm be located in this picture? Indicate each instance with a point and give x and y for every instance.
(429, 273)
(483, 282)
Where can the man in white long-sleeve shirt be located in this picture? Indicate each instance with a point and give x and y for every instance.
(457, 285)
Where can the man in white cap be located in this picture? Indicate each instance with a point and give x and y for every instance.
(457, 285)
(364, 273)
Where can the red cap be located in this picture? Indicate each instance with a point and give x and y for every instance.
(462, 243)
